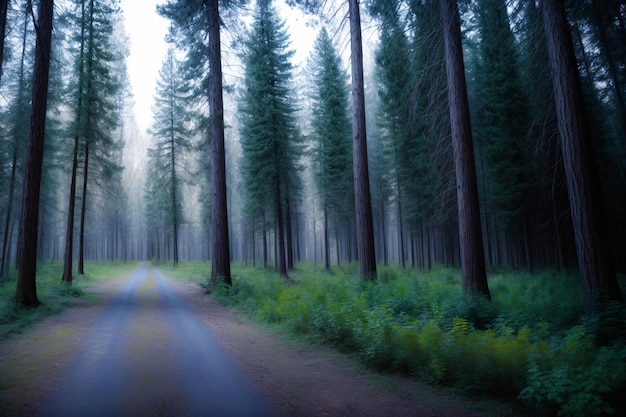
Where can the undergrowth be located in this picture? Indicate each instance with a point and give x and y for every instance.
(53, 295)
(530, 342)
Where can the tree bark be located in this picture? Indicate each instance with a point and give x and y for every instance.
(174, 198)
(281, 263)
(69, 232)
(363, 204)
(26, 291)
(5, 240)
(220, 269)
(470, 232)
(595, 260)
(81, 236)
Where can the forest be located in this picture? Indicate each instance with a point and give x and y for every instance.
(438, 185)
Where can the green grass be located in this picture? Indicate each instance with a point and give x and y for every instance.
(52, 293)
(531, 339)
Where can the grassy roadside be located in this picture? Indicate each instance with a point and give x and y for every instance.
(52, 293)
(531, 342)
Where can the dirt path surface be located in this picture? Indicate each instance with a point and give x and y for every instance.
(154, 346)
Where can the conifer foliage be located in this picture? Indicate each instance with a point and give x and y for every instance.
(196, 26)
(331, 141)
(269, 135)
(167, 159)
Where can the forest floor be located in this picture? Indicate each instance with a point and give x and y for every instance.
(128, 353)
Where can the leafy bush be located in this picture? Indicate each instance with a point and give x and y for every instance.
(528, 338)
(574, 377)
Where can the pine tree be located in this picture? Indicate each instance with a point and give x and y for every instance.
(362, 198)
(269, 134)
(172, 133)
(587, 205)
(393, 70)
(26, 291)
(4, 8)
(95, 113)
(331, 140)
(195, 21)
(503, 125)
(431, 157)
(16, 131)
(473, 269)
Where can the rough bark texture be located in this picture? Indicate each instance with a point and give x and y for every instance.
(221, 247)
(26, 291)
(363, 204)
(587, 208)
(470, 232)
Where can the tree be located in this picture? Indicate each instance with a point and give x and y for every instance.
(4, 8)
(172, 132)
(473, 270)
(587, 207)
(433, 178)
(95, 115)
(269, 133)
(26, 291)
(191, 18)
(503, 125)
(17, 130)
(331, 139)
(363, 204)
(393, 70)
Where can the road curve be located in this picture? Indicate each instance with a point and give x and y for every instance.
(149, 355)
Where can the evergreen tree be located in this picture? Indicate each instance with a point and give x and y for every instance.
(393, 71)
(473, 269)
(431, 157)
(362, 198)
(331, 140)
(503, 125)
(16, 131)
(4, 8)
(198, 24)
(172, 133)
(586, 201)
(26, 290)
(269, 135)
(96, 115)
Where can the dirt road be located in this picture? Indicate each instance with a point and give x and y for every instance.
(153, 346)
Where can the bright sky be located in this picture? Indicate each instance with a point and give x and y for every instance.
(146, 31)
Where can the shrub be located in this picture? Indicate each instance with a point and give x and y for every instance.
(575, 378)
(527, 339)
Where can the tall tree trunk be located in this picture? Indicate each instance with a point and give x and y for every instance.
(5, 254)
(265, 250)
(470, 232)
(174, 201)
(16, 139)
(587, 207)
(220, 269)
(4, 7)
(26, 291)
(326, 241)
(289, 233)
(281, 264)
(81, 236)
(401, 233)
(69, 232)
(363, 203)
